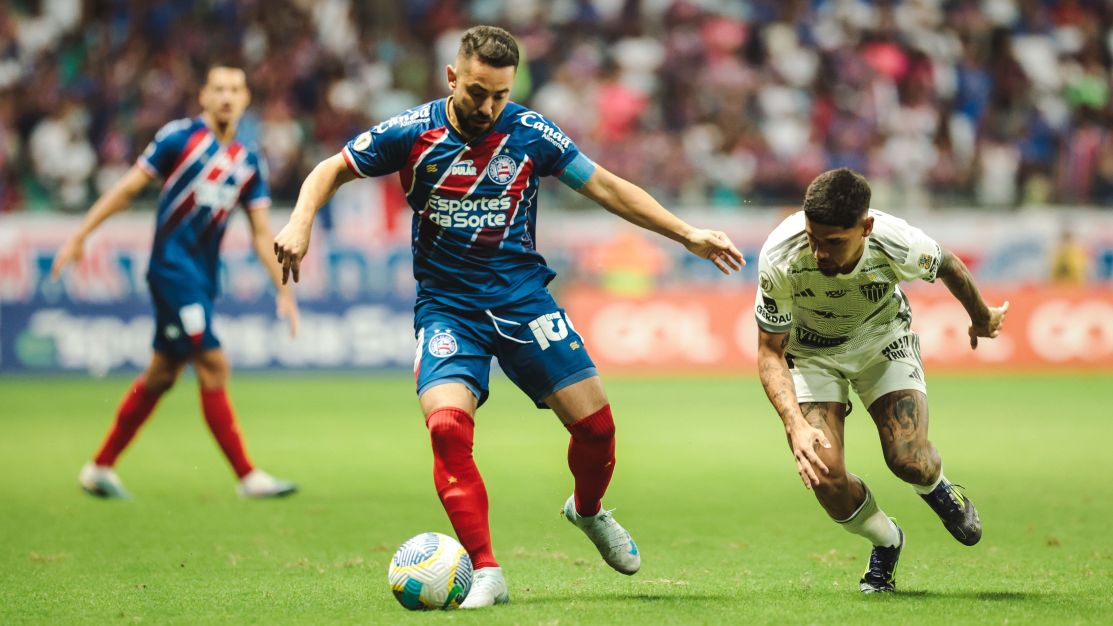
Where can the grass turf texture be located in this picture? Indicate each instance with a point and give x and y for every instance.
(705, 482)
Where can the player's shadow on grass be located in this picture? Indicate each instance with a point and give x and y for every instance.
(990, 596)
(610, 598)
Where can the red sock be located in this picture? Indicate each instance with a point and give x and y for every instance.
(459, 484)
(591, 459)
(136, 407)
(222, 423)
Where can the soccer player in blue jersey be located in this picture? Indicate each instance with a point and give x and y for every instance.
(470, 165)
(206, 173)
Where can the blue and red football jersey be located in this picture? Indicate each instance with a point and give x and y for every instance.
(474, 202)
(203, 181)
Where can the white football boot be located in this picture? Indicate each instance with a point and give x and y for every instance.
(615, 544)
(102, 481)
(488, 588)
(259, 484)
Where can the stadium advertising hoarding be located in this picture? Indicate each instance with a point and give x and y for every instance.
(357, 291)
(713, 330)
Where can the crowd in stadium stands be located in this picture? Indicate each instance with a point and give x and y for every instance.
(995, 103)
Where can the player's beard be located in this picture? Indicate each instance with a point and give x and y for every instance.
(468, 122)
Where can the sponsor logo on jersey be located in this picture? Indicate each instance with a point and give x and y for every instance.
(431, 168)
(926, 261)
(533, 120)
(806, 293)
(836, 293)
(442, 344)
(812, 339)
(502, 169)
(463, 168)
(827, 315)
(404, 119)
(468, 212)
(773, 317)
(362, 142)
(874, 292)
(770, 304)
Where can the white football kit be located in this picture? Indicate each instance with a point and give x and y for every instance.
(850, 329)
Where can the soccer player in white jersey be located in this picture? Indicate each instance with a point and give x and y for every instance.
(831, 316)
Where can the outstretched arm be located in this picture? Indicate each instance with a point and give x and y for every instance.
(262, 240)
(772, 367)
(635, 205)
(112, 202)
(985, 321)
(292, 241)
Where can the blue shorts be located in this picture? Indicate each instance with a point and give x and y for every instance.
(183, 320)
(534, 340)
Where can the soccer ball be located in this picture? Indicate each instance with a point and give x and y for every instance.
(430, 571)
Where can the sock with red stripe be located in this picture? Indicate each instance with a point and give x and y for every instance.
(222, 423)
(459, 484)
(136, 407)
(591, 459)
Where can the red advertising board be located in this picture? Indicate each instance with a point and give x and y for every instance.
(714, 330)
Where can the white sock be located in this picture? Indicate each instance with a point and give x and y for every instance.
(870, 522)
(923, 490)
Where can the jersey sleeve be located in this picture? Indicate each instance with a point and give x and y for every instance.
(256, 193)
(379, 151)
(557, 155)
(162, 153)
(773, 305)
(912, 253)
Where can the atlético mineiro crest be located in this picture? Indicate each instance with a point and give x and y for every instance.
(501, 169)
(442, 344)
(874, 291)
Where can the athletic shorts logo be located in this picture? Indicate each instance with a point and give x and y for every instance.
(362, 142)
(501, 169)
(442, 345)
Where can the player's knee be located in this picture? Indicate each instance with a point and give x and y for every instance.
(917, 469)
(597, 427)
(834, 482)
(160, 382)
(449, 425)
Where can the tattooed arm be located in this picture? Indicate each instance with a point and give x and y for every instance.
(985, 321)
(776, 378)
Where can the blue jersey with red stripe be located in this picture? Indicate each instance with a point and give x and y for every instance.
(474, 202)
(203, 181)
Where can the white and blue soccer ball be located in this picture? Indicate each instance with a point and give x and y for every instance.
(430, 571)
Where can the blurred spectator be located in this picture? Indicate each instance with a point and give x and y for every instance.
(995, 103)
(1068, 261)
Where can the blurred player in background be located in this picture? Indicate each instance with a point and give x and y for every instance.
(470, 165)
(832, 316)
(206, 173)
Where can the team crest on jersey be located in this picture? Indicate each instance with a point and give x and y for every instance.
(501, 169)
(763, 280)
(443, 344)
(874, 292)
(362, 141)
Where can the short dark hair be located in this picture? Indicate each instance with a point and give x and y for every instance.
(837, 198)
(491, 44)
(221, 64)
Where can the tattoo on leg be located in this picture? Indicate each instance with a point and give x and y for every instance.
(901, 419)
(815, 413)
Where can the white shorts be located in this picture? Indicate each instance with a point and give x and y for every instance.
(895, 366)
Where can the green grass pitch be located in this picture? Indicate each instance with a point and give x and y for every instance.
(704, 481)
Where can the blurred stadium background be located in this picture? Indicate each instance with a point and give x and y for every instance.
(986, 123)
